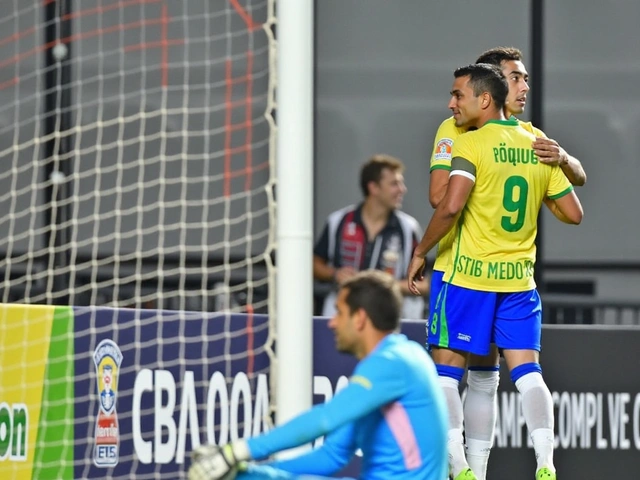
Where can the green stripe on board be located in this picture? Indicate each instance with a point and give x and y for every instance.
(54, 447)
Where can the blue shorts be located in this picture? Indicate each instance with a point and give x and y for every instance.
(470, 320)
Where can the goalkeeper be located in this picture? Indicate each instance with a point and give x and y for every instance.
(393, 408)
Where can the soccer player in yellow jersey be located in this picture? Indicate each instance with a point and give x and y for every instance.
(496, 187)
(480, 404)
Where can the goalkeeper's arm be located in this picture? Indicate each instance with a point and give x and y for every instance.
(326, 460)
(377, 382)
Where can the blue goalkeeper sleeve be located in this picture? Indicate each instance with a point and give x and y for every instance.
(331, 457)
(376, 383)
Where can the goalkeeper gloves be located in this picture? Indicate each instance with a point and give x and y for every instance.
(210, 462)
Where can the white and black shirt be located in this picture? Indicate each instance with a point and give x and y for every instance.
(344, 242)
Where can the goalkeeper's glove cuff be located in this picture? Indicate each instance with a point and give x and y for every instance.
(238, 451)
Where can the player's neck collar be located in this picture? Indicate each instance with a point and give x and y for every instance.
(512, 121)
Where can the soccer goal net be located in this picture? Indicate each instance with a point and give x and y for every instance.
(137, 144)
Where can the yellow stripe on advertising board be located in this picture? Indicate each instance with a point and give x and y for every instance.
(25, 333)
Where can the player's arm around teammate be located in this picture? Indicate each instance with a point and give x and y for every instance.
(565, 210)
(549, 151)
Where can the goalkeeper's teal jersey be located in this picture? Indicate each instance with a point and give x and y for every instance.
(393, 410)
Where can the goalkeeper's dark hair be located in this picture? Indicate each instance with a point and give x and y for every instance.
(372, 170)
(495, 56)
(378, 294)
(486, 78)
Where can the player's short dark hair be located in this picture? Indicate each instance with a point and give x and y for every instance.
(378, 294)
(484, 77)
(495, 56)
(372, 170)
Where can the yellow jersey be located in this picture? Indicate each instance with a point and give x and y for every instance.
(528, 126)
(494, 247)
(441, 159)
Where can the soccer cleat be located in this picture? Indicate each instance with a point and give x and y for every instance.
(545, 474)
(467, 474)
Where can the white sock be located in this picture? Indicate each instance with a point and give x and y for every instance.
(480, 414)
(537, 408)
(542, 439)
(455, 444)
(478, 456)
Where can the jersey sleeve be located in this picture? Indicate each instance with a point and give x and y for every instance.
(465, 160)
(559, 185)
(376, 382)
(335, 453)
(442, 146)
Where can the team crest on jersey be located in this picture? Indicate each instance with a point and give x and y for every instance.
(107, 358)
(443, 149)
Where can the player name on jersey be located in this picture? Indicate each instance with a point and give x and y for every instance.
(514, 155)
(494, 270)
